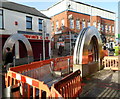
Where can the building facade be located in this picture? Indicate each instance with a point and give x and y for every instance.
(35, 26)
(69, 17)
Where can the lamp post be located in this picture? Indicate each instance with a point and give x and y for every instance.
(43, 40)
(70, 41)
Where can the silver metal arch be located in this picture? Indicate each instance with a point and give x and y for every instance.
(13, 39)
(82, 43)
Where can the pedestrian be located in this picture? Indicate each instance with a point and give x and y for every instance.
(104, 52)
(60, 50)
(8, 59)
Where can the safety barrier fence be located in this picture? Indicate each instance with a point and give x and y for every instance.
(111, 62)
(32, 78)
(70, 86)
(62, 63)
(29, 87)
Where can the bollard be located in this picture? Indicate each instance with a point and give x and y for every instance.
(40, 57)
(68, 65)
(28, 59)
(14, 61)
(51, 66)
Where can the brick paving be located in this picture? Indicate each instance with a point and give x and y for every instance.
(101, 85)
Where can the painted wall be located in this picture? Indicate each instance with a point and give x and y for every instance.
(10, 17)
(63, 5)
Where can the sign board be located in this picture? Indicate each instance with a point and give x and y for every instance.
(58, 32)
(60, 43)
(33, 37)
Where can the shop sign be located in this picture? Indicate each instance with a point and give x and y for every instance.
(37, 37)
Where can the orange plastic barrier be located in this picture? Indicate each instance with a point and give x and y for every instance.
(62, 62)
(111, 62)
(70, 86)
(31, 86)
(33, 65)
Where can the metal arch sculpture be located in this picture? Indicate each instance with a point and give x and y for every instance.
(13, 39)
(82, 44)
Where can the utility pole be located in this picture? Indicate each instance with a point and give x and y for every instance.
(43, 32)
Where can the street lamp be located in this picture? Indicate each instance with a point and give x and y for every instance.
(43, 32)
(70, 41)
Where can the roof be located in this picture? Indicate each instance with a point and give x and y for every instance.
(83, 4)
(21, 8)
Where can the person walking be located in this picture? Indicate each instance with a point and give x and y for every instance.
(60, 50)
(8, 58)
(104, 51)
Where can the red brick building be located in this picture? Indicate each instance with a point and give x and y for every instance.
(69, 17)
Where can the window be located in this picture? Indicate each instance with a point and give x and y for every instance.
(1, 19)
(71, 23)
(40, 24)
(110, 28)
(63, 24)
(52, 26)
(88, 23)
(113, 29)
(78, 24)
(28, 22)
(103, 27)
(106, 28)
(83, 24)
(57, 25)
(94, 24)
(98, 26)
